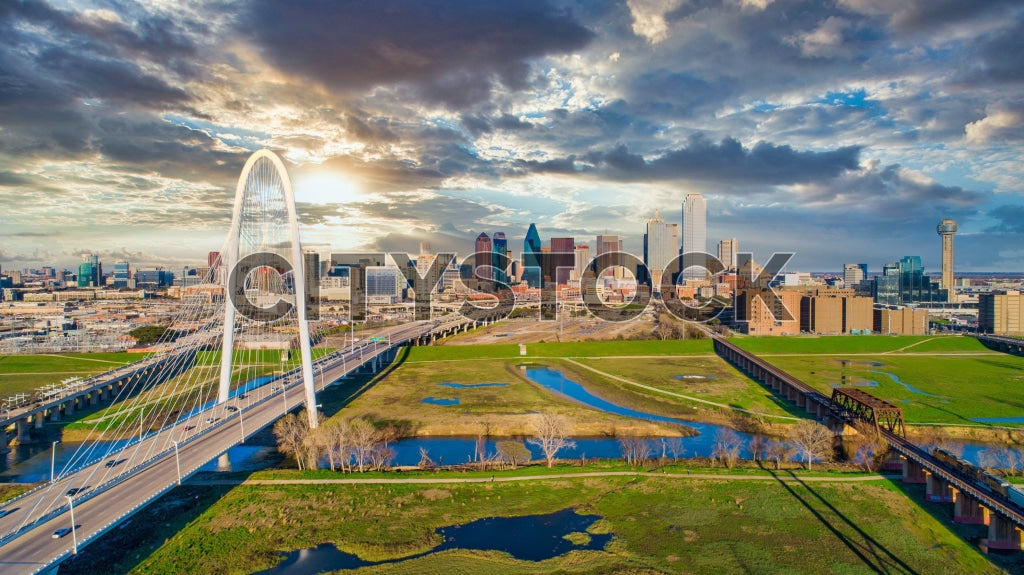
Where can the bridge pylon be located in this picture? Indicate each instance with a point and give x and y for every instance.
(263, 270)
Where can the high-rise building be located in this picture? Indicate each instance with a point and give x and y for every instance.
(695, 232)
(853, 274)
(581, 259)
(1001, 313)
(608, 243)
(727, 252)
(499, 258)
(311, 275)
(562, 260)
(915, 286)
(122, 275)
(661, 247)
(947, 229)
(213, 260)
(886, 288)
(90, 271)
(483, 250)
(531, 273)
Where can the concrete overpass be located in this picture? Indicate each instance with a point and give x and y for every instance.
(148, 467)
(1011, 345)
(103, 388)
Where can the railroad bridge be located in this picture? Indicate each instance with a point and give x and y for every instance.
(977, 498)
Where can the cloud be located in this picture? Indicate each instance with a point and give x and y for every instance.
(451, 53)
(702, 160)
(649, 18)
(999, 124)
(1011, 219)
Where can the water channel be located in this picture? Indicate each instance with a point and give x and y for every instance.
(31, 463)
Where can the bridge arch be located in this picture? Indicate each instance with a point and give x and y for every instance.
(264, 225)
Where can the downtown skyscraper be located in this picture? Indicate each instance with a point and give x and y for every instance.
(695, 231)
(661, 246)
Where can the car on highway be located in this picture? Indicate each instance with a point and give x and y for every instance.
(60, 532)
(188, 428)
(212, 420)
(75, 490)
(5, 512)
(110, 463)
(231, 408)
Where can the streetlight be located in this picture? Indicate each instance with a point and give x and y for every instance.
(53, 459)
(177, 461)
(241, 422)
(74, 534)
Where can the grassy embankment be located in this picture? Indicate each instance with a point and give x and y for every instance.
(661, 524)
(26, 373)
(197, 385)
(956, 378)
(506, 410)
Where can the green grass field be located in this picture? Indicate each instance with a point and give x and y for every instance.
(506, 410)
(569, 349)
(25, 373)
(953, 379)
(659, 525)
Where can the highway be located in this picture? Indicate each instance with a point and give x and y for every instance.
(146, 469)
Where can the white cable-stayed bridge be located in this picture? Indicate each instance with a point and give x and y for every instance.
(223, 374)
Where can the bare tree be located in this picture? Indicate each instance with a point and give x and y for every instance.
(758, 447)
(551, 435)
(675, 447)
(866, 447)
(291, 432)
(634, 450)
(364, 437)
(513, 452)
(939, 438)
(425, 461)
(811, 440)
(779, 451)
(727, 446)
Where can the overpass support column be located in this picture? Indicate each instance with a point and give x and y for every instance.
(39, 418)
(23, 426)
(937, 490)
(55, 413)
(893, 462)
(967, 509)
(1002, 534)
(69, 407)
(912, 472)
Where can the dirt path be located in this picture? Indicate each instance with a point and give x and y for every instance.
(499, 479)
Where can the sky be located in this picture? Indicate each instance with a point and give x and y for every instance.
(843, 131)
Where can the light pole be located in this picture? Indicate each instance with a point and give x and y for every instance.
(74, 534)
(241, 421)
(177, 461)
(53, 459)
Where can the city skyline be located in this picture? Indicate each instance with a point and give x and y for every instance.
(844, 133)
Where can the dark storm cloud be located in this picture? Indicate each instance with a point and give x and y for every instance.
(1011, 219)
(919, 15)
(703, 160)
(61, 72)
(453, 52)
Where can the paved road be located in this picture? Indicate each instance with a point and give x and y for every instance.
(149, 468)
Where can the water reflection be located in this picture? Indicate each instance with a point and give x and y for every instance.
(527, 538)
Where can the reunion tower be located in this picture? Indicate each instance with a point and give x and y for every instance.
(947, 229)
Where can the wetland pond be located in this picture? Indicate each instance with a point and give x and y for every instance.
(527, 538)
